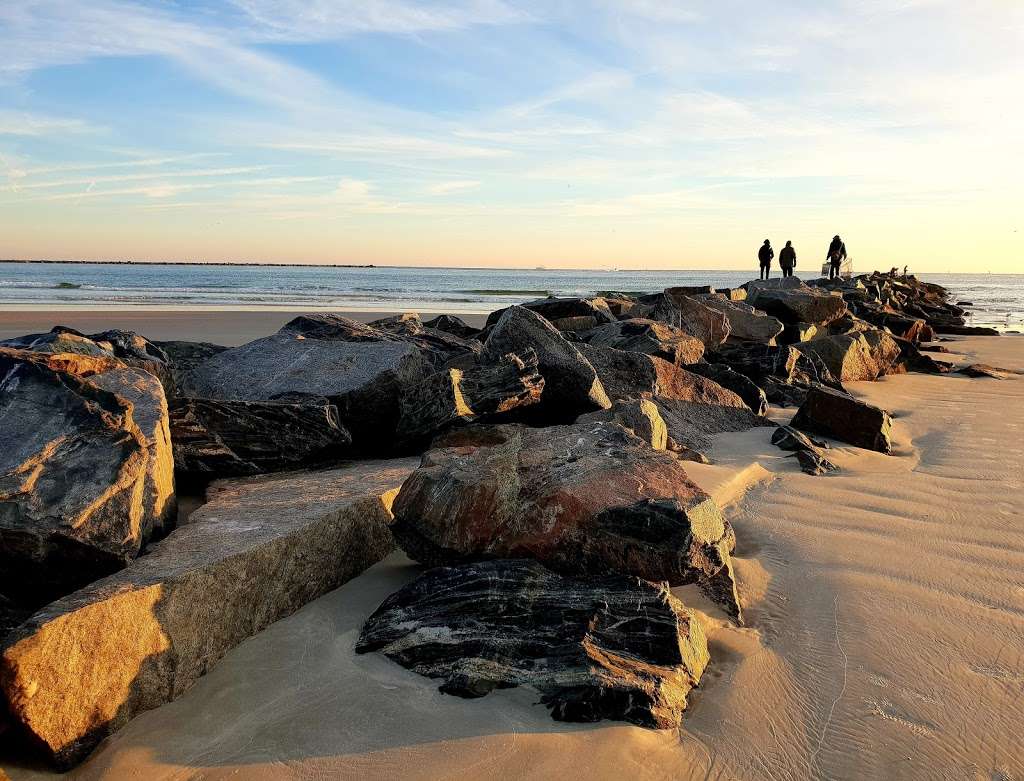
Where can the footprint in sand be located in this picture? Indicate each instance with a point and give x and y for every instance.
(890, 712)
(998, 673)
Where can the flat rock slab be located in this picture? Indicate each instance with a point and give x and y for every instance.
(263, 547)
(612, 647)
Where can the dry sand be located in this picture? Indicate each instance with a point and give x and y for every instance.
(885, 637)
(230, 327)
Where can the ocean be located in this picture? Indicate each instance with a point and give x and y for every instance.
(998, 299)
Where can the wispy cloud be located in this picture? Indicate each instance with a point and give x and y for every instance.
(27, 123)
(455, 186)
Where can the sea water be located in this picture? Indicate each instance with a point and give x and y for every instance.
(998, 298)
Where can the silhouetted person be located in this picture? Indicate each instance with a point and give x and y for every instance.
(764, 256)
(787, 259)
(836, 256)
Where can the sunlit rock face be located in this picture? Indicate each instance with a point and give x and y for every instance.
(261, 548)
(86, 471)
(608, 647)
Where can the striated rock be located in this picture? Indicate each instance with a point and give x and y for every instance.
(814, 463)
(586, 498)
(263, 547)
(639, 416)
(855, 357)
(452, 325)
(566, 314)
(454, 397)
(840, 416)
(691, 315)
(753, 396)
(610, 647)
(571, 384)
(86, 471)
(214, 438)
(798, 303)
(746, 324)
(648, 336)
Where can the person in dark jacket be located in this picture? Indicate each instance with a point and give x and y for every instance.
(836, 256)
(787, 259)
(764, 256)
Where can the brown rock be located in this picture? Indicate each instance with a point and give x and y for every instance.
(840, 416)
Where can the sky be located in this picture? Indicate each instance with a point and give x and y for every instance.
(599, 134)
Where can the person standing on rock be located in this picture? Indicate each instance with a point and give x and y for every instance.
(787, 259)
(764, 256)
(836, 256)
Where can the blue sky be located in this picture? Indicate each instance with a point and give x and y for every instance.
(579, 134)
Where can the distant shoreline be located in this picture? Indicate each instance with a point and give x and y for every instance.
(197, 263)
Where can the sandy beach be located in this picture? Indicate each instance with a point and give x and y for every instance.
(884, 606)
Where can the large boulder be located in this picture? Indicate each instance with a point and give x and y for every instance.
(746, 324)
(610, 647)
(217, 438)
(586, 498)
(454, 397)
(86, 471)
(566, 314)
(262, 547)
(571, 384)
(650, 337)
(128, 347)
(840, 416)
(797, 303)
(856, 356)
(363, 371)
(437, 346)
(688, 313)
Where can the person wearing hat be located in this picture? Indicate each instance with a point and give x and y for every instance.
(787, 259)
(836, 256)
(764, 257)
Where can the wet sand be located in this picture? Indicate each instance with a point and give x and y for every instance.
(885, 610)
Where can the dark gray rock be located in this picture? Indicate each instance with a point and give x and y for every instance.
(566, 314)
(813, 463)
(591, 498)
(639, 416)
(571, 384)
(184, 357)
(452, 325)
(789, 438)
(840, 416)
(689, 314)
(797, 303)
(609, 647)
(364, 378)
(86, 471)
(215, 438)
(753, 396)
(746, 323)
(648, 336)
(965, 330)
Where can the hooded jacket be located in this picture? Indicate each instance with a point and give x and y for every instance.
(765, 254)
(834, 247)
